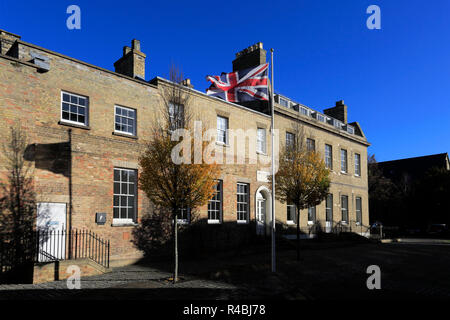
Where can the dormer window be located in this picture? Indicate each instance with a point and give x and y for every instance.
(284, 102)
(304, 111)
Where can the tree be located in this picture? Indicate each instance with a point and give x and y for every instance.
(170, 185)
(385, 197)
(302, 178)
(431, 198)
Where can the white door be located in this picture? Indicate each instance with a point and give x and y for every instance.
(51, 223)
(260, 216)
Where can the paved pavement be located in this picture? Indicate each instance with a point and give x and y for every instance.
(327, 270)
(130, 282)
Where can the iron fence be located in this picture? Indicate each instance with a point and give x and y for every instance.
(42, 246)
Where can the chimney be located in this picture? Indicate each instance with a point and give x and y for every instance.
(7, 39)
(338, 112)
(187, 83)
(132, 63)
(250, 57)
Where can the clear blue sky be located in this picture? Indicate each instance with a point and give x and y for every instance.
(395, 81)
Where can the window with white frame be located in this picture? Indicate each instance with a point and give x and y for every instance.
(125, 191)
(184, 215)
(311, 215)
(310, 144)
(290, 213)
(350, 129)
(242, 202)
(304, 111)
(215, 204)
(261, 140)
(343, 160)
(329, 156)
(176, 116)
(320, 117)
(358, 210)
(329, 208)
(74, 108)
(222, 129)
(125, 120)
(357, 164)
(290, 140)
(284, 102)
(344, 208)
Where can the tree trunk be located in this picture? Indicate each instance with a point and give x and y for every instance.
(298, 235)
(175, 246)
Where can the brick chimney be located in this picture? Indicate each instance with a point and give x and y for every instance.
(338, 112)
(132, 63)
(250, 57)
(187, 83)
(7, 39)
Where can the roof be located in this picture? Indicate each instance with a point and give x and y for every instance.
(414, 167)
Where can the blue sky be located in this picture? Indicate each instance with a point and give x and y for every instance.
(395, 81)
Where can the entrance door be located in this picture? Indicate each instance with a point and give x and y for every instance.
(51, 223)
(260, 216)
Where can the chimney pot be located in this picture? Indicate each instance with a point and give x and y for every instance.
(136, 45)
(252, 56)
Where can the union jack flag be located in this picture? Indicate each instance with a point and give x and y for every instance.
(244, 85)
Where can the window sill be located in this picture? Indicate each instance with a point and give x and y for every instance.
(222, 144)
(261, 153)
(357, 176)
(310, 223)
(242, 222)
(290, 222)
(70, 124)
(181, 221)
(123, 224)
(125, 135)
(343, 172)
(213, 222)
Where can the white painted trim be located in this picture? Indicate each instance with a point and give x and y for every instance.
(86, 122)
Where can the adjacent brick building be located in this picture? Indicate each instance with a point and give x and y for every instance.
(87, 126)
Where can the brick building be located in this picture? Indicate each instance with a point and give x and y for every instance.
(87, 125)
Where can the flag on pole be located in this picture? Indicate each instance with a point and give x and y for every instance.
(244, 85)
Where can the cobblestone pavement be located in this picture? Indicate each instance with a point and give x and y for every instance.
(128, 282)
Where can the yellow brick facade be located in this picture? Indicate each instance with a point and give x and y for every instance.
(33, 98)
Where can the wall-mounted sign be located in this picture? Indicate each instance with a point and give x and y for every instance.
(100, 218)
(262, 176)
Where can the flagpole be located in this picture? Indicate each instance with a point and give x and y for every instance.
(273, 166)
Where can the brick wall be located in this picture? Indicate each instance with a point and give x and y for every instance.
(34, 99)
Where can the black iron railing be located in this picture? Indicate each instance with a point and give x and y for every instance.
(52, 245)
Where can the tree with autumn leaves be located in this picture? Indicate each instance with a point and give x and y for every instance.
(302, 178)
(170, 184)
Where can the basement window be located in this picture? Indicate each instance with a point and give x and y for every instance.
(74, 108)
